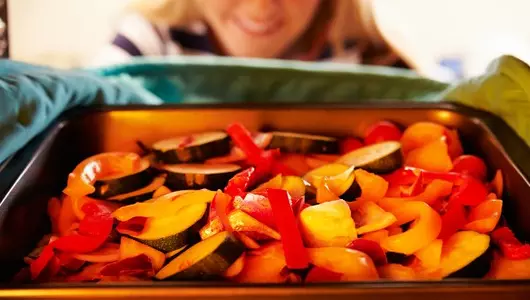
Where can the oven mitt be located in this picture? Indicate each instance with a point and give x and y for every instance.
(504, 89)
(31, 97)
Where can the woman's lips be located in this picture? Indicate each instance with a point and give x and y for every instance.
(259, 28)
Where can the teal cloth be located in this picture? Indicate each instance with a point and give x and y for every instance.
(31, 97)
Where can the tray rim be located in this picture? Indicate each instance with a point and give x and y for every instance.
(491, 123)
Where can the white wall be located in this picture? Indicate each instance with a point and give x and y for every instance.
(51, 31)
(60, 32)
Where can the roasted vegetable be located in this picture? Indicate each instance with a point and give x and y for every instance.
(327, 225)
(352, 264)
(303, 143)
(199, 176)
(193, 148)
(378, 158)
(145, 193)
(208, 259)
(461, 249)
(167, 233)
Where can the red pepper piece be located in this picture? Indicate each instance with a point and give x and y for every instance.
(94, 230)
(370, 248)
(264, 161)
(471, 192)
(402, 176)
(381, 132)
(510, 246)
(39, 264)
(470, 165)
(318, 274)
(415, 189)
(454, 219)
(296, 255)
(223, 205)
(349, 144)
(238, 185)
(135, 225)
(137, 266)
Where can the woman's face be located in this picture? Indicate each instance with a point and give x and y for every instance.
(258, 28)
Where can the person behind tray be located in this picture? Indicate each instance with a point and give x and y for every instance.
(310, 30)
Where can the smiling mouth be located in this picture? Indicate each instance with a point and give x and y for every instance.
(258, 28)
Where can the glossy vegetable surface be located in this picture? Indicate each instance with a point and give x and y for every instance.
(283, 207)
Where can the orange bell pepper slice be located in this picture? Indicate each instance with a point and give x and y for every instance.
(397, 272)
(373, 188)
(82, 178)
(435, 190)
(370, 217)
(376, 236)
(431, 157)
(324, 193)
(431, 255)
(485, 216)
(425, 228)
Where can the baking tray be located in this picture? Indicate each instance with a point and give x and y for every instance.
(38, 172)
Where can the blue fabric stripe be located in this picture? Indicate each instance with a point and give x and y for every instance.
(192, 41)
(124, 43)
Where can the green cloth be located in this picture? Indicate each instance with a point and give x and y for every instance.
(31, 97)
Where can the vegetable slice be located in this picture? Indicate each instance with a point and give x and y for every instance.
(145, 193)
(123, 182)
(131, 248)
(198, 176)
(303, 143)
(461, 249)
(193, 148)
(352, 264)
(207, 259)
(169, 233)
(378, 158)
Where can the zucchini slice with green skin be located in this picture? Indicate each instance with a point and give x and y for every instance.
(193, 148)
(199, 176)
(123, 183)
(291, 142)
(171, 233)
(142, 194)
(208, 259)
(378, 158)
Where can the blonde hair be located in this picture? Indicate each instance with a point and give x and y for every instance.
(350, 19)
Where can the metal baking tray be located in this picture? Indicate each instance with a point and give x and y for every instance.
(39, 171)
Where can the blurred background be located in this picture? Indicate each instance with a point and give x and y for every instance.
(464, 34)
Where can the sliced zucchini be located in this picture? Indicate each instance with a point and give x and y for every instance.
(123, 183)
(192, 148)
(303, 143)
(140, 195)
(199, 176)
(167, 234)
(208, 259)
(461, 250)
(379, 158)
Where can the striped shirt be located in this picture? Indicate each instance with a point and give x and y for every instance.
(136, 36)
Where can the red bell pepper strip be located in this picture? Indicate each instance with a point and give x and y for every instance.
(471, 192)
(264, 161)
(137, 266)
(454, 219)
(370, 248)
(39, 264)
(402, 176)
(223, 204)
(132, 226)
(510, 246)
(296, 255)
(242, 138)
(94, 230)
(237, 186)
